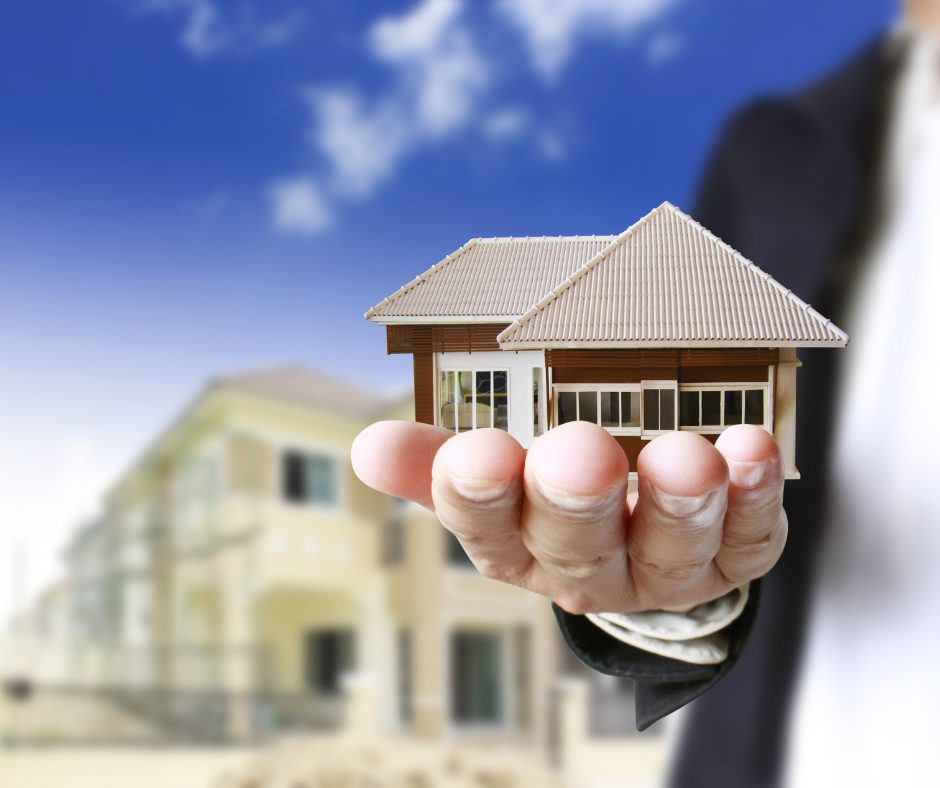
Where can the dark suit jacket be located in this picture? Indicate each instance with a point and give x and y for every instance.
(791, 185)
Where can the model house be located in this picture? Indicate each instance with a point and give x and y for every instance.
(663, 327)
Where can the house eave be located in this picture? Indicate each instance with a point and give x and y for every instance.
(441, 319)
(695, 343)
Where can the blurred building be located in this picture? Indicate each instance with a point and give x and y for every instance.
(242, 583)
(241, 570)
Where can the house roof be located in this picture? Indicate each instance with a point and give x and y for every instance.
(302, 386)
(666, 281)
(490, 280)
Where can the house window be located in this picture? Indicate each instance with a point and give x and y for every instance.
(476, 677)
(614, 407)
(308, 478)
(328, 654)
(537, 427)
(473, 399)
(712, 408)
(659, 407)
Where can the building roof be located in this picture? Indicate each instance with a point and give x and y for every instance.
(666, 281)
(301, 386)
(490, 280)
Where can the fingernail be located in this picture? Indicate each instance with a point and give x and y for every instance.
(480, 489)
(680, 505)
(748, 474)
(573, 501)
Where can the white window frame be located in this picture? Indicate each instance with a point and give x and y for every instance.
(463, 368)
(599, 388)
(542, 407)
(658, 385)
(713, 429)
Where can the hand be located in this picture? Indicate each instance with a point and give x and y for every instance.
(556, 520)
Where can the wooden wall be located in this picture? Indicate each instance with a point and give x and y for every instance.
(469, 338)
(717, 365)
(424, 387)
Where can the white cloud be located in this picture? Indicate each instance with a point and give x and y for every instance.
(505, 124)
(362, 145)
(438, 80)
(663, 47)
(298, 206)
(551, 146)
(441, 73)
(440, 85)
(552, 28)
(211, 28)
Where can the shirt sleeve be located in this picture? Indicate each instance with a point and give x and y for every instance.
(664, 681)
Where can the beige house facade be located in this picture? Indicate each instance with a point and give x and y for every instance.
(243, 571)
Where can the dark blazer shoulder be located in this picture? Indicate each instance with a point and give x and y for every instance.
(789, 172)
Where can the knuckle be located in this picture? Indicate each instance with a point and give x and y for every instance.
(669, 571)
(576, 569)
(493, 570)
(755, 535)
(738, 573)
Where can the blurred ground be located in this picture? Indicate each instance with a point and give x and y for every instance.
(107, 768)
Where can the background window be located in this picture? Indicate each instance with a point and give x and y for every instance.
(308, 478)
(393, 540)
(328, 654)
(476, 680)
(405, 670)
(456, 555)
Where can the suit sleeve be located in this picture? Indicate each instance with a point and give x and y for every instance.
(663, 685)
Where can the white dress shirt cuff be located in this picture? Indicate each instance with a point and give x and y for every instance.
(694, 636)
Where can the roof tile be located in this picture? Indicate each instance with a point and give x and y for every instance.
(665, 281)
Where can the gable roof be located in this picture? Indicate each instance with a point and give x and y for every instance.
(305, 387)
(664, 282)
(667, 281)
(492, 280)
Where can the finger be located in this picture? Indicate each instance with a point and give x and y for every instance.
(574, 516)
(395, 457)
(676, 527)
(756, 525)
(477, 488)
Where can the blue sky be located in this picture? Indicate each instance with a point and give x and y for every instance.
(189, 187)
